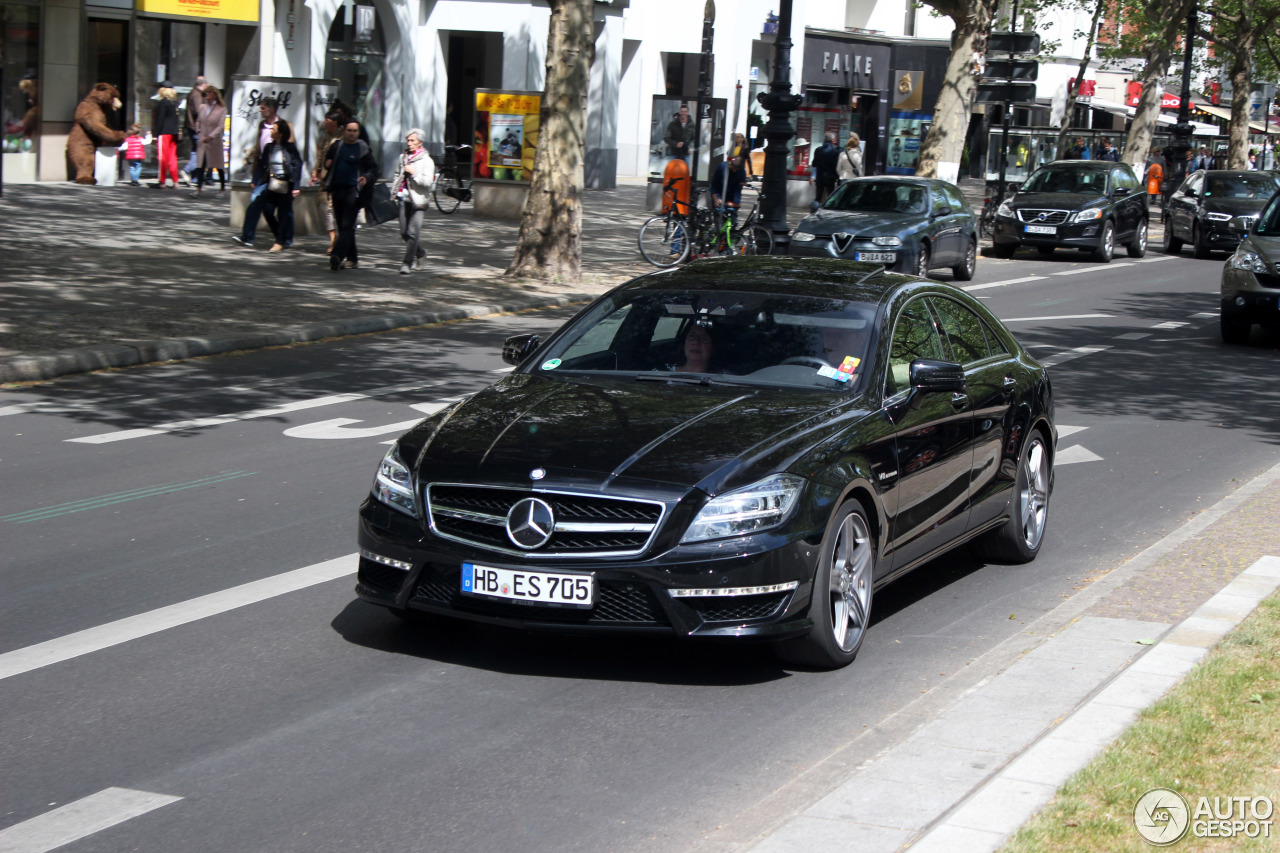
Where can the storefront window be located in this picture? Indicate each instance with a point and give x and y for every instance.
(20, 100)
(906, 132)
(813, 122)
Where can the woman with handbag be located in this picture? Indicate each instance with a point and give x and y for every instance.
(412, 187)
(849, 165)
(276, 180)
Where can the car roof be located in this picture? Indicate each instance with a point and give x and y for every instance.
(822, 277)
(1229, 173)
(1081, 164)
(899, 179)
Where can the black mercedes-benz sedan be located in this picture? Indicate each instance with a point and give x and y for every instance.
(1090, 205)
(741, 448)
(908, 224)
(1214, 209)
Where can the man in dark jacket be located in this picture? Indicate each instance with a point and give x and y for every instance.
(680, 134)
(195, 100)
(1106, 152)
(351, 168)
(825, 161)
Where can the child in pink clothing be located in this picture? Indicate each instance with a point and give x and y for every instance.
(135, 151)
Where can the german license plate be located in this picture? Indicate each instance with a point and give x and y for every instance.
(1041, 229)
(875, 257)
(564, 589)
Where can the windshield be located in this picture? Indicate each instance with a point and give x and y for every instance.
(1241, 186)
(1090, 181)
(895, 196)
(720, 337)
(1269, 221)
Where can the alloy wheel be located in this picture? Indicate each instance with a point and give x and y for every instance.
(1034, 496)
(850, 593)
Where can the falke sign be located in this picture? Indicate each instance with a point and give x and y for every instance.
(845, 64)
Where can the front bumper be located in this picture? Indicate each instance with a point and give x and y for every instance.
(1083, 235)
(1225, 235)
(631, 594)
(1251, 297)
(823, 246)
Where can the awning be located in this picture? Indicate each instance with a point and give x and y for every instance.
(1216, 112)
(1162, 118)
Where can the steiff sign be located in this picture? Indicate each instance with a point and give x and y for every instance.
(845, 64)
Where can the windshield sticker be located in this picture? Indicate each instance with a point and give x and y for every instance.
(551, 365)
(849, 365)
(831, 373)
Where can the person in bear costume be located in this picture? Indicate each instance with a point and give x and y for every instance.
(91, 130)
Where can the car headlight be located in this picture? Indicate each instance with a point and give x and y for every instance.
(1089, 215)
(1004, 210)
(393, 484)
(1218, 217)
(803, 237)
(756, 507)
(1250, 261)
(894, 242)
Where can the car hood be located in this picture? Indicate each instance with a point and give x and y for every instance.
(1236, 206)
(1267, 246)
(1058, 201)
(868, 223)
(588, 433)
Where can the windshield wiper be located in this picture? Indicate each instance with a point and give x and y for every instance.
(683, 378)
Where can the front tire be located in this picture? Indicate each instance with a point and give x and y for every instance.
(1235, 332)
(1138, 245)
(1106, 243)
(1199, 247)
(1172, 245)
(965, 270)
(1003, 250)
(842, 593)
(922, 261)
(1019, 539)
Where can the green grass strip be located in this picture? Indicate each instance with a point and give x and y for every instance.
(1216, 734)
(119, 497)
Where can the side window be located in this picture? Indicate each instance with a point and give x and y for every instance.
(957, 200)
(597, 341)
(1192, 186)
(993, 341)
(914, 336)
(1125, 178)
(963, 329)
(941, 207)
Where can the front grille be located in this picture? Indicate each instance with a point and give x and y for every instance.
(1267, 280)
(585, 525)
(1051, 217)
(739, 609)
(379, 576)
(617, 602)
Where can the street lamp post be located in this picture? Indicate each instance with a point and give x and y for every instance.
(780, 103)
(706, 73)
(1182, 130)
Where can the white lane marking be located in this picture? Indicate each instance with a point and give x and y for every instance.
(1204, 315)
(1064, 431)
(133, 627)
(507, 369)
(74, 821)
(1074, 454)
(1133, 336)
(1058, 317)
(270, 411)
(973, 287)
(1099, 268)
(1172, 324)
(1078, 352)
(1155, 259)
(337, 427)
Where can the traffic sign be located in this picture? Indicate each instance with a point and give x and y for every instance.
(1012, 69)
(994, 92)
(1006, 43)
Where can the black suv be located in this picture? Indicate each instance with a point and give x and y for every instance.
(1214, 209)
(1089, 205)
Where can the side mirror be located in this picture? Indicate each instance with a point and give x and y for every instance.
(929, 375)
(1120, 191)
(519, 347)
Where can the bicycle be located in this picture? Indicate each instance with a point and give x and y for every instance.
(987, 220)
(665, 240)
(452, 185)
(702, 232)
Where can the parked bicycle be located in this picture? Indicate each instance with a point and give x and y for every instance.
(665, 239)
(701, 232)
(987, 220)
(452, 185)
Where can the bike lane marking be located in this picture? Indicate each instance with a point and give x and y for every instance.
(162, 619)
(269, 411)
(77, 820)
(336, 428)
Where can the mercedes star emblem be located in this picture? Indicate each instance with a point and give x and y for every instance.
(537, 473)
(530, 523)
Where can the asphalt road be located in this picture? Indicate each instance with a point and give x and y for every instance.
(302, 719)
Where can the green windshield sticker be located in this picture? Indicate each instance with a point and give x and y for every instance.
(551, 365)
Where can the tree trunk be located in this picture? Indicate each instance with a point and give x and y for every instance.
(1158, 55)
(1073, 91)
(945, 141)
(1241, 94)
(550, 241)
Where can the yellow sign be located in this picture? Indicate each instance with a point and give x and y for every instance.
(506, 134)
(214, 10)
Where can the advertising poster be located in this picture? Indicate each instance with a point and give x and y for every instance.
(234, 11)
(243, 99)
(506, 134)
(320, 97)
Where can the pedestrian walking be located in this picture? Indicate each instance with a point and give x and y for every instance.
(825, 162)
(209, 131)
(1106, 152)
(195, 101)
(412, 186)
(330, 132)
(164, 125)
(1155, 178)
(849, 166)
(351, 168)
(135, 151)
(277, 180)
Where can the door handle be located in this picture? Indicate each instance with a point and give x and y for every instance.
(1009, 382)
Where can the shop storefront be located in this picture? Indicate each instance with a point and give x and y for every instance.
(918, 72)
(845, 84)
(20, 90)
